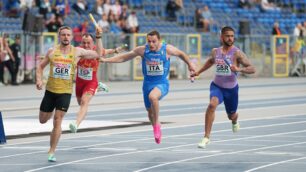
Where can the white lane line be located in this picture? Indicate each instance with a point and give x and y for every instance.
(195, 162)
(113, 149)
(220, 154)
(275, 163)
(182, 126)
(167, 110)
(144, 139)
(27, 147)
(172, 147)
(184, 108)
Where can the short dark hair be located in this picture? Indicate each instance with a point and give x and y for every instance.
(88, 35)
(226, 28)
(154, 32)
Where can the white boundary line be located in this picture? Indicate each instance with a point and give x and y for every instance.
(182, 126)
(128, 153)
(167, 110)
(275, 163)
(228, 153)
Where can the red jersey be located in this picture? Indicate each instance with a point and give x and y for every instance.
(86, 78)
(87, 70)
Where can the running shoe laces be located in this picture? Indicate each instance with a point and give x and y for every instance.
(205, 141)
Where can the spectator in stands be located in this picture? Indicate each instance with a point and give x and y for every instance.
(124, 25)
(54, 23)
(299, 44)
(80, 7)
(199, 19)
(171, 9)
(268, 6)
(79, 31)
(125, 13)
(104, 24)
(111, 17)
(276, 30)
(244, 4)
(298, 30)
(44, 7)
(16, 51)
(180, 3)
(207, 18)
(98, 8)
(115, 28)
(107, 7)
(27, 4)
(60, 7)
(12, 8)
(132, 22)
(304, 30)
(6, 58)
(117, 9)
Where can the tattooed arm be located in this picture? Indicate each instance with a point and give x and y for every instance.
(242, 59)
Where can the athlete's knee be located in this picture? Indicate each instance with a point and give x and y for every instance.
(84, 102)
(153, 97)
(213, 103)
(232, 116)
(44, 117)
(42, 120)
(212, 106)
(57, 121)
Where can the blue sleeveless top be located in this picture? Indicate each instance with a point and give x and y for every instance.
(155, 65)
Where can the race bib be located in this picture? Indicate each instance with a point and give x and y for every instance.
(222, 69)
(85, 73)
(155, 68)
(62, 71)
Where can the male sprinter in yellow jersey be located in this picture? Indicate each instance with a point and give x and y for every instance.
(63, 59)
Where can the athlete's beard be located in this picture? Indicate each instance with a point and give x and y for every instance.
(65, 43)
(228, 44)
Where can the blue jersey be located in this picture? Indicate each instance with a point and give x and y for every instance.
(155, 65)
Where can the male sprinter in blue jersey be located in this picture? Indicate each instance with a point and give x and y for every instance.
(155, 68)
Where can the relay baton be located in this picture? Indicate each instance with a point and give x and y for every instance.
(93, 20)
(229, 63)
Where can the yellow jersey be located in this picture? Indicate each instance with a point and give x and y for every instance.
(62, 69)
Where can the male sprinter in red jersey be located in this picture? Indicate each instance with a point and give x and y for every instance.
(86, 79)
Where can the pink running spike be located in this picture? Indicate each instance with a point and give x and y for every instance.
(157, 133)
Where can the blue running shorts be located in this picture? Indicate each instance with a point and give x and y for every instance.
(148, 87)
(228, 95)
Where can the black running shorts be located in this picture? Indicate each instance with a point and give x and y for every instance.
(54, 100)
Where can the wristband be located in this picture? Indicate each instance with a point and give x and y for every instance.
(116, 51)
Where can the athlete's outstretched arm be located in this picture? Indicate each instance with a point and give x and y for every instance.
(119, 49)
(138, 51)
(242, 59)
(100, 48)
(40, 69)
(83, 53)
(173, 51)
(209, 62)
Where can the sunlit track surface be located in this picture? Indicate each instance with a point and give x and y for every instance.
(272, 136)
